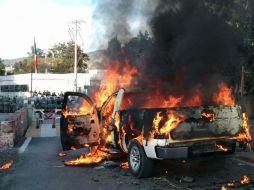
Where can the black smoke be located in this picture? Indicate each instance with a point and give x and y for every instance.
(117, 18)
(189, 47)
(195, 46)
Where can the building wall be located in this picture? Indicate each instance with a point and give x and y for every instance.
(48, 82)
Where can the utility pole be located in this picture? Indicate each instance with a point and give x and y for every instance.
(76, 23)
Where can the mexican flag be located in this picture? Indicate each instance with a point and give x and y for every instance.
(36, 65)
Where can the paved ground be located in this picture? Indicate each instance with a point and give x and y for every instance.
(45, 130)
(39, 167)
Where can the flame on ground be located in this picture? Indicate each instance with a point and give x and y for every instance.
(73, 148)
(232, 184)
(7, 165)
(95, 156)
(61, 154)
(245, 180)
(124, 165)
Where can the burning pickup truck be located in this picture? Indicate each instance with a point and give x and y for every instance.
(149, 134)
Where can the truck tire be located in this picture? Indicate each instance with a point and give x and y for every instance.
(140, 165)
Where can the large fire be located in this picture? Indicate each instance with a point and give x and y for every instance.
(122, 76)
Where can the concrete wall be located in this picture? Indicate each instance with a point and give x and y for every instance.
(49, 82)
(12, 128)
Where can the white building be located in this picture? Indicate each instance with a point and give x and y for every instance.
(22, 84)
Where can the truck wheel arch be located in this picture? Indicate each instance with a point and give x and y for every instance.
(142, 166)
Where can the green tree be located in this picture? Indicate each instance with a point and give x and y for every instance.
(61, 57)
(24, 66)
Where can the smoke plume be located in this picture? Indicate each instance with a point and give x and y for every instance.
(188, 48)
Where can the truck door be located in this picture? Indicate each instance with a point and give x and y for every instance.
(79, 123)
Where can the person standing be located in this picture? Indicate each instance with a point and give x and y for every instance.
(53, 119)
(37, 118)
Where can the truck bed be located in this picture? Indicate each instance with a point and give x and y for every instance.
(196, 122)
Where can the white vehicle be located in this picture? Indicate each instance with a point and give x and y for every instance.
(146, 135)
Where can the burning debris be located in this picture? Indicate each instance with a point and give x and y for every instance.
(94, 157)
(7, 165)
(245, 180)
(124, 165)
(61, 154)
(232, 184)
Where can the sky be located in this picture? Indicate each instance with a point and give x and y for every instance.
(48, 21)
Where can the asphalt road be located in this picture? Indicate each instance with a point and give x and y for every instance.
(39, 168)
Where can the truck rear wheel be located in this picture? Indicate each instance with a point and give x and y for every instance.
(140, 165)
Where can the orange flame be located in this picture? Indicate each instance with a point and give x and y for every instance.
(84, 109)
(224, 96)
(221, 148)
(124, 165)
(61, 154)
(7, 165)
(209, 116)
(70, 128)
(245, 136)
(223, 188)
(94, 157)
(172, 121)
(114, 79)
(232, 183)
(245, 180)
